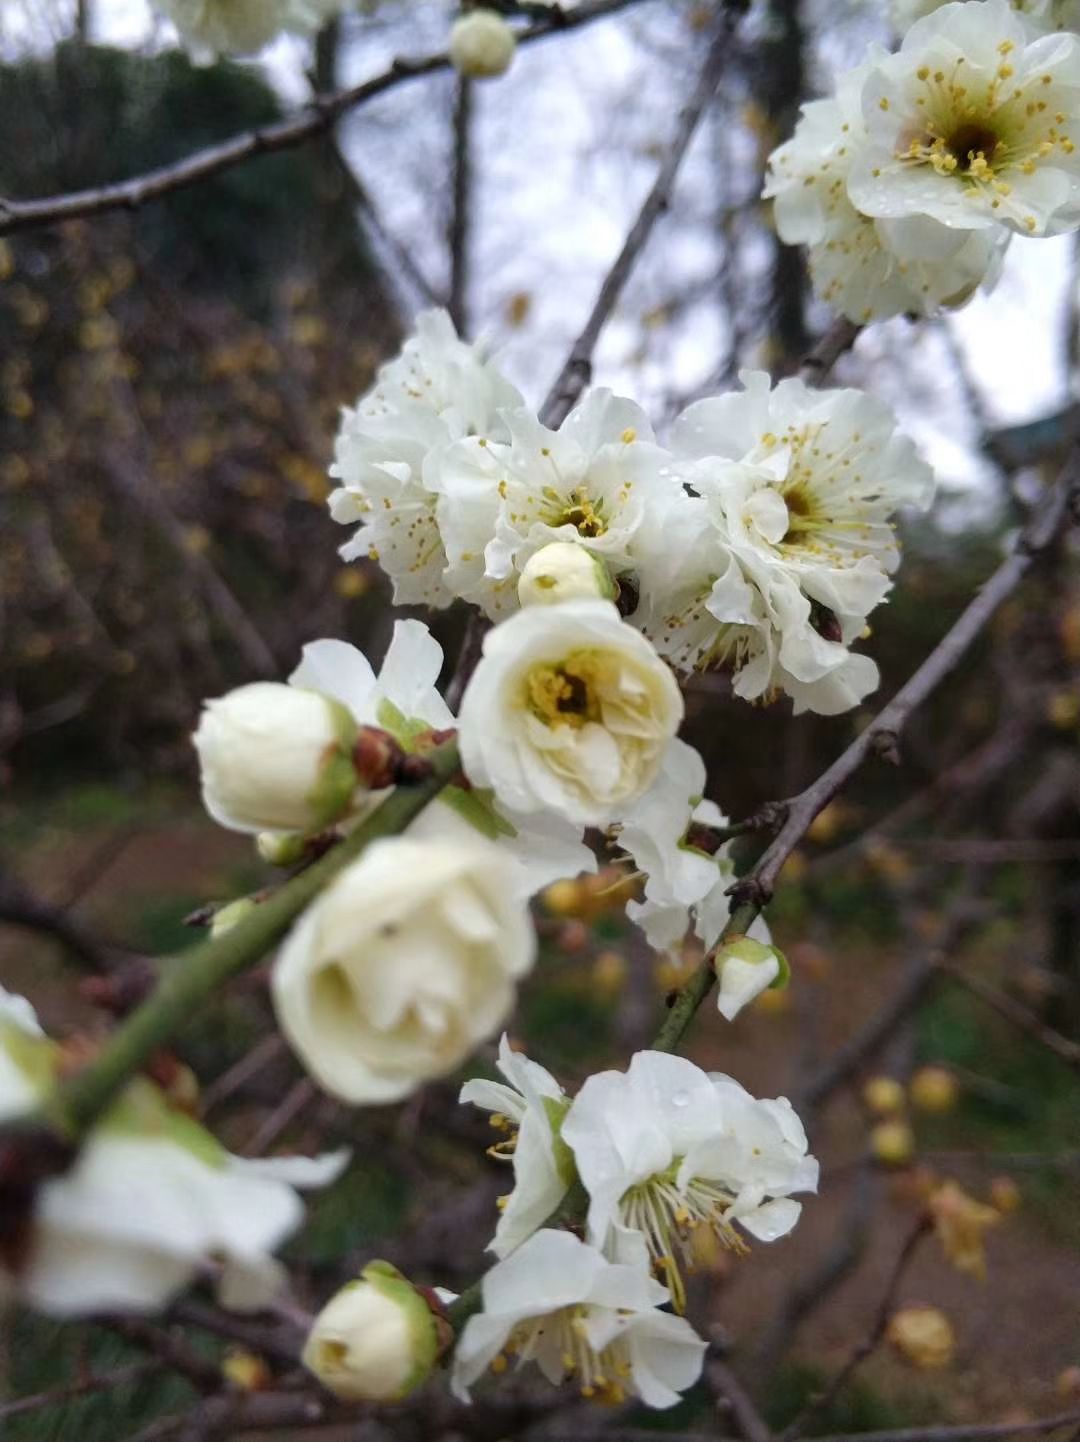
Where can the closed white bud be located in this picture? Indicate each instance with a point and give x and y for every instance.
(745, 968)
(564, 572)
(276, 758)
(481, 44)
(376, 1341)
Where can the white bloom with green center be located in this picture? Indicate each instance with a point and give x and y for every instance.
(150, 1199)
(402, 966)
(570, 711)
(376, 1340)
(561, 1304)
(973, 123)
(530, 1107)
(664, 1148)
(868, 268)
(685, 886)
(404, 700)
(438, 390)
(240, 27)
(276, 758)
(599, 480)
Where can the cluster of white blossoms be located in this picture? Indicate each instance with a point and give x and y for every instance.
(758, 539)
(152, 1199)
(909, 182)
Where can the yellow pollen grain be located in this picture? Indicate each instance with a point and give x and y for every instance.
(883, 103)
(629, 436)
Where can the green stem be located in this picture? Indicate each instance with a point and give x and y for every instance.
(193, 976)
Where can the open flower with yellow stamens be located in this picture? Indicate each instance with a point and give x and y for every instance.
(789, 543)
(664, 1149)
(867, 268)
(561, 1304)
(437, 390)
(599, 481)
(570, 711)
(973, 123)
(530, 1107)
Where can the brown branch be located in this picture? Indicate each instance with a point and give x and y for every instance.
(870, 1343)
(1019, 1016)
(121, 1377)
(315, 119)
(840, 337)
(292, 1104)
(881, 736)
(978, 1432)
(577, 369)
(459, 229)
(732, 1394)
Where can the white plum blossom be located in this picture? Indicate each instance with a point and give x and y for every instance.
(402, 966)
(599, 480)
(150, 1199)
(375, 1341)
(561, 1304)
(685, 886)
(481, 43)
(776, 562)
(665, 1148)
(971, 124)
(570, 710)
(240, 27)
(404, 700)
(437, 391)
(276, 758)
(868, 268)
(530, 1106)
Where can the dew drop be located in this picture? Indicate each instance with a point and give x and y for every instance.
(680, 1099)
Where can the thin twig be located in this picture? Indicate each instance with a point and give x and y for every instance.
(1019, 1016)
(870, 1343)
(730, 1390)
(315, 119)
(577, 369)
(881, 736)
(295, 1100)
(121, 1377)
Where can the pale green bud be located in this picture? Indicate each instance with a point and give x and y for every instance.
(745, 968)
(481, 44)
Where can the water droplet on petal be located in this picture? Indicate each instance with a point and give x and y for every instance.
(680, 1099)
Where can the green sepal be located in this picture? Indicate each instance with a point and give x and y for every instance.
(555, 1108)
(406, 730)
(423, 1331)
(477, 807)
(336, 786)
(142, 1111)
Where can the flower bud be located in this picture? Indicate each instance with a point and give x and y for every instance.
(883, 1095)
(745, 968)
(924, 1336)
(276, 758)
(892, 1143)
(563, 571)
(226, 917)
(933, 1089)
(481, 44)
(280, 848)
(376, 1341)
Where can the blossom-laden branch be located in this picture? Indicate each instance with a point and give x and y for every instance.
(42, 1144)
(318, 117)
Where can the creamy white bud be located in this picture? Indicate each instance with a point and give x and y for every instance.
(745, 968)
(276, 758)
(375, 1341)
(564, 572)
(481, 44)
(403, 965)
